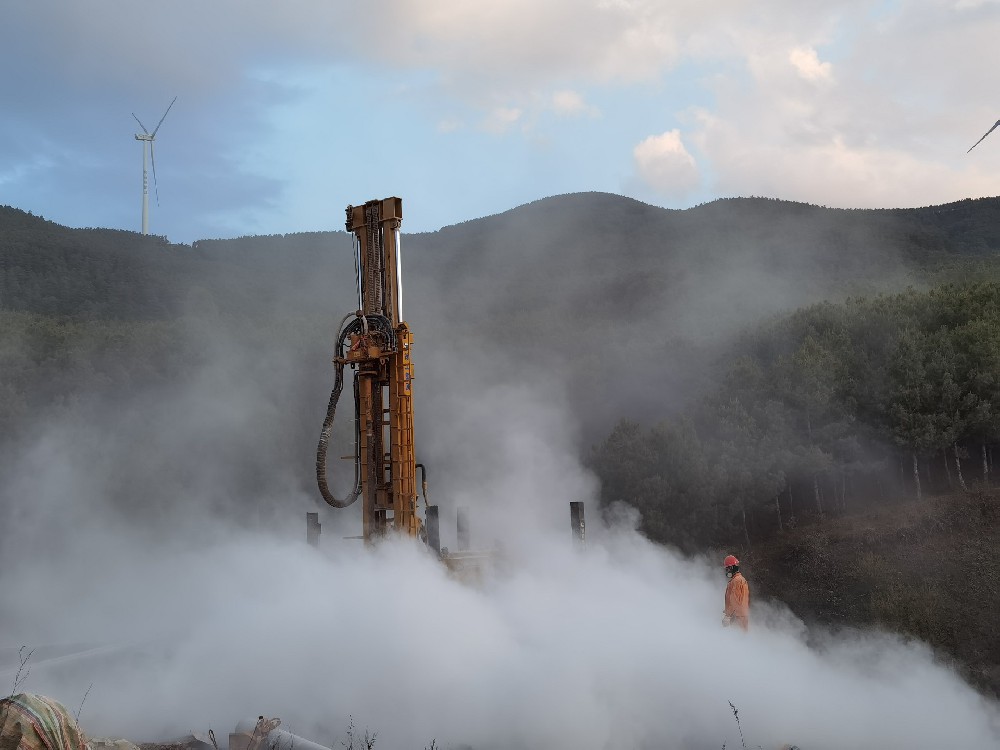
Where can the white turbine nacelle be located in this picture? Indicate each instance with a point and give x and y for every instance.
(147, 137)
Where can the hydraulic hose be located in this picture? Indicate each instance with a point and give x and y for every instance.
(324, 435)
(375, 325)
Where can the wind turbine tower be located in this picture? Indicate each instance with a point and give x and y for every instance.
(147, 137)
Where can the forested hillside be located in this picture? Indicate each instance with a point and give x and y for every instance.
(624, 309)
(749, 373)
(597, 291)
(828, 407)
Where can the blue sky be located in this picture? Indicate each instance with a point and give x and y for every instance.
(286, 112)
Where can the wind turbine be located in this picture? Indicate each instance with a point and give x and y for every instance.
(147, 137)
(987, 133)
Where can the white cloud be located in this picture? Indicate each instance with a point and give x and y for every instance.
(832, 168)
(528, 40)
(500, 119)
(665, 165)
(887, 127)
(571, 104)
(807, 63)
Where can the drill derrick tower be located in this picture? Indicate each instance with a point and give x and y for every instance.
(377, 343)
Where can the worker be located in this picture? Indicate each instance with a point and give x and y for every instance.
(737, 595)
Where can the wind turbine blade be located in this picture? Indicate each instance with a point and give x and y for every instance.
(140, 124)
(152, 159)
(163, 118)
(987, 133)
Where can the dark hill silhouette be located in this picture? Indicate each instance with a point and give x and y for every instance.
(588, 252)
(623, 303)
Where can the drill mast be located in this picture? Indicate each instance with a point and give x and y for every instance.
(377, 345)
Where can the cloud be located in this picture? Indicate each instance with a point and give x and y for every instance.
(886, 127)
(479, 52)
(807, 63)
(572, 104)
(664, 164)
(523, 40)
(501, 119)
(779, 77)
(833, 171)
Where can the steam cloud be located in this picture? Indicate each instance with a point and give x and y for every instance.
(615, 646)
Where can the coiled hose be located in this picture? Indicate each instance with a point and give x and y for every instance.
(324, 435)
(378, 326)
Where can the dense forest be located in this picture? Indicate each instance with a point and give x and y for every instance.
(830, 406)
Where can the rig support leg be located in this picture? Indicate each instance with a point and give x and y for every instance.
(433, 530)
(577, 522)
(464, 540)
(313, 529)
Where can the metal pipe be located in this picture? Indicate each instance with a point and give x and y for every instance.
(399, 278)
(276, 739)
(280, 739)
(423, 477)
(577, 522)
(357, 270)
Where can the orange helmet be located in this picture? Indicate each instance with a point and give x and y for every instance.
(730, 561)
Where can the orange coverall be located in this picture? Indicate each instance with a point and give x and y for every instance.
(738, 600)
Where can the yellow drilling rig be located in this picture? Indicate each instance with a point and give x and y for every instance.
(376, 343)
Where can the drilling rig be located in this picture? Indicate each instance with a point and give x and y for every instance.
(376, 343)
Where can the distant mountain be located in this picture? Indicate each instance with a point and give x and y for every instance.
(642, 299)
(583, 252)
(623, 304)
(112, 274)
